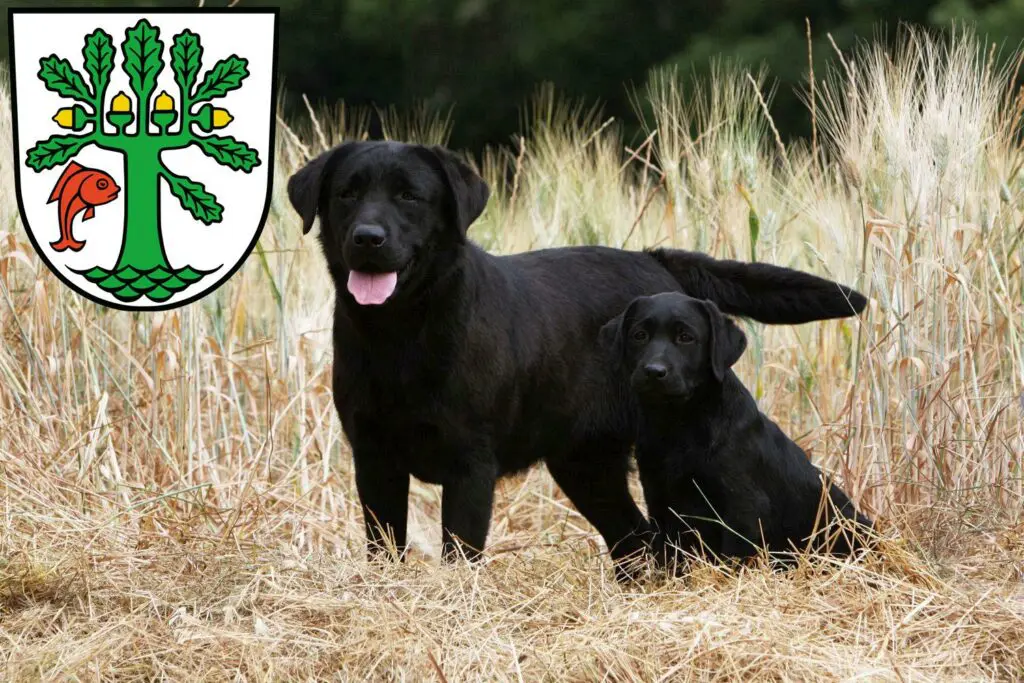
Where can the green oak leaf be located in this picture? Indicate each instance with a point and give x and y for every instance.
(143, 58)
(55, 150)
(186, 58)
(60, 77)
(99, 61)
(195, 199)
(227, 151)
(225, 76)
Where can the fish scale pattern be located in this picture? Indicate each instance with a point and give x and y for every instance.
(156, 284)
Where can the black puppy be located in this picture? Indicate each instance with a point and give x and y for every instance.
(458, 367)
(718, 474)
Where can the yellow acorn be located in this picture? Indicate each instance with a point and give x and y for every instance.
(64, 117)
(164, 102)
(221, 118)
(211, 118)
(73, 118)
(163, 112)
(121, 103)
(120, 114)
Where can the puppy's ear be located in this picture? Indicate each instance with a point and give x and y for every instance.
(305, 187)
(727, 340)
(468, 191)
(610, 336)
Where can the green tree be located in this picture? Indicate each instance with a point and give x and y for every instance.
(142, 268)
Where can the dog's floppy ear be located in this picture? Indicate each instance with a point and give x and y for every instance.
(305, 186)
(727, 340)
(468, 191)
(610, 336)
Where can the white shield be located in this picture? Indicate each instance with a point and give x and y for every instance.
(143, 147)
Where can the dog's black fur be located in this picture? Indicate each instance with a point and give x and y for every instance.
(719, 476)
(478, 366)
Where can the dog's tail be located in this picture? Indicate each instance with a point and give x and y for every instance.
(766, 293)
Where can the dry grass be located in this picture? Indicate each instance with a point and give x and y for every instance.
(177, 501)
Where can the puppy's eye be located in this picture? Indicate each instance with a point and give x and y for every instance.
(639, 336)
(684, 338)
(348, 196)
(408, 197)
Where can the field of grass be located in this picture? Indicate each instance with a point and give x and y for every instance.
(176, 495)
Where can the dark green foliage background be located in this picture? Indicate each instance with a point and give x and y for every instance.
(483, 59)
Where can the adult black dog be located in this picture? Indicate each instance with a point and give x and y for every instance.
(717, 473)
(458, 367)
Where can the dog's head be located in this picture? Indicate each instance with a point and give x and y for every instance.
(389, 213)
(671, 344)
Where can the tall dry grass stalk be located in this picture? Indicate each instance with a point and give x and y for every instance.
(176, 496)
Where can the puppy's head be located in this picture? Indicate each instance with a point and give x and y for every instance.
(388, 211)
(671, 344)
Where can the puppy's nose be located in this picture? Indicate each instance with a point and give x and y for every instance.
(655, 371)
(368, 236)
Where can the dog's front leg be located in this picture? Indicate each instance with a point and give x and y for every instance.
(384, 494)
(466, 500)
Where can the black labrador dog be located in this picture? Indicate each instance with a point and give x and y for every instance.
(458, 367)
(719, 476)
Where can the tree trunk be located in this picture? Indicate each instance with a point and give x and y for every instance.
(142, 247)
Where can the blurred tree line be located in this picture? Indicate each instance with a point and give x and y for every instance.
(483, 59)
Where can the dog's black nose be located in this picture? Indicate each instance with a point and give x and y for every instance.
(368, 236)
(655, 371)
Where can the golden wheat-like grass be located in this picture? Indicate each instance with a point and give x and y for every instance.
(176, 498)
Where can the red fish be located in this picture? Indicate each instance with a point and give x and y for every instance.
(79, 189)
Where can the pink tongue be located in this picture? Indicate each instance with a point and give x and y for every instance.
(371, 288)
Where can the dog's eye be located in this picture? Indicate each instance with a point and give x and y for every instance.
(640, 336)
(408, 197)
(348, 196)
(684, 338)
